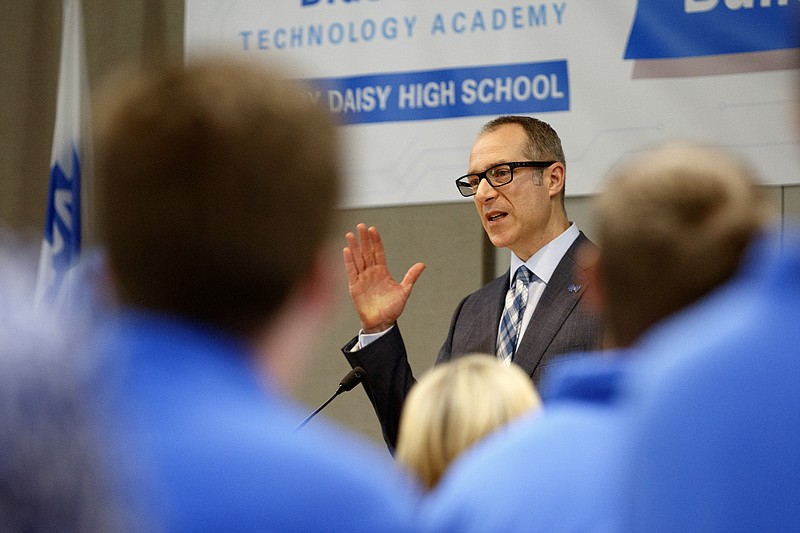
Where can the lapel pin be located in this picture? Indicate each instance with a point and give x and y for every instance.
(573, 287)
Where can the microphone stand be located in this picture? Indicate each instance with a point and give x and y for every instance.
(352, 379)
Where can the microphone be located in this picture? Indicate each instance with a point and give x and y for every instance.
(347, 383)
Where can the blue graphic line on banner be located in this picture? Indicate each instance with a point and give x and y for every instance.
(690, 28)
(447, 93)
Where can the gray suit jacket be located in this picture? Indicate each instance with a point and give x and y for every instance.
(559, 325)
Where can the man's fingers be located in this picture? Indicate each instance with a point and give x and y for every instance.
(349, 266)
(355, 252)
(377, 246)
(366, 245)
(411, 276)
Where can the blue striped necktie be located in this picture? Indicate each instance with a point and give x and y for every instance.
(511, 320)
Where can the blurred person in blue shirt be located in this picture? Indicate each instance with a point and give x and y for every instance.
(55, 473)
(217, 183)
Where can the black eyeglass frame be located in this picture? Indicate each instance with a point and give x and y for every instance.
(467, 190)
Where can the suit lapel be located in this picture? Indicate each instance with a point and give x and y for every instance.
(479, 328)
(556, 303)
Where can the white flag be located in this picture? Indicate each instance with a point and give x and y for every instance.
(69, 164)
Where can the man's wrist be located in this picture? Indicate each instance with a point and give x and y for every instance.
(380, 328)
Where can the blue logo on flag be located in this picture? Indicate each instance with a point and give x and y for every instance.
(63, 220)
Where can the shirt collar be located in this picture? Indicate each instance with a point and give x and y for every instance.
(544, 262)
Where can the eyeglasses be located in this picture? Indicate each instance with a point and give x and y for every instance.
(497, 176)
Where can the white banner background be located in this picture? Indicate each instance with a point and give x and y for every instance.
(746, 102)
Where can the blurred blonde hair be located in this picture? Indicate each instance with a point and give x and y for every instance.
(456, 404)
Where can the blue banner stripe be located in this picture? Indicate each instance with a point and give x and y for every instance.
(446, 93)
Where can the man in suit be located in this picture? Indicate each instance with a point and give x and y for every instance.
(516, 177)
(199, 360)
(673, 224)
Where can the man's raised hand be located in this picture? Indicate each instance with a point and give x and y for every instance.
(377, 297)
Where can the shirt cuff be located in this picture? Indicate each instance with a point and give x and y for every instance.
(365, 339)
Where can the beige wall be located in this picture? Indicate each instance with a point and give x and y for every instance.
(448, 238)
(117, 31)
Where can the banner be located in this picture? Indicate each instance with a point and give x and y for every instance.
(411, 81)
(711, 27)
(61, 246)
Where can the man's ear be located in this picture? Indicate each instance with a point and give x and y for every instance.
(592, 280)
(285, 346)
(317, 290)
(554, 179)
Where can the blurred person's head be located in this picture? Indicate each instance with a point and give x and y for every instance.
(217, 183)
(672, 224)
(456, 404)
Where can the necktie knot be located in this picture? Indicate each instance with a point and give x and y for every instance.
(523, 275)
